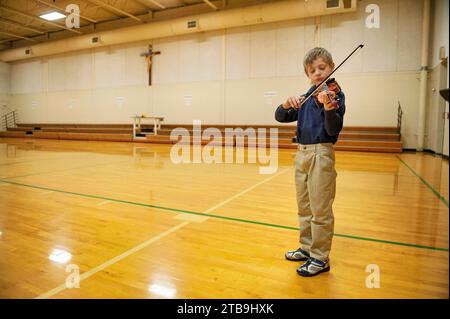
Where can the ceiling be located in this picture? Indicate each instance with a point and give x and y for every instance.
(20, 24)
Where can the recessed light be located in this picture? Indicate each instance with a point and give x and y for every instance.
(51, 16)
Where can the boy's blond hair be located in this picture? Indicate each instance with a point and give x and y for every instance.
(315, 53)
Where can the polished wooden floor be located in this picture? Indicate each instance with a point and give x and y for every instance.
(137, 225)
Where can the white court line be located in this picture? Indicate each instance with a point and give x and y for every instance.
(151, 240)
(244, 191)
(95, 270)
(183, 217)
(191, 218)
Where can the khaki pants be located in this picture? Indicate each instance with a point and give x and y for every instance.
(315, 180)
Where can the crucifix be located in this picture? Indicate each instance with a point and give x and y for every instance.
(149, 57)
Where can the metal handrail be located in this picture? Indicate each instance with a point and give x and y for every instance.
(399, 117)
(9, 120)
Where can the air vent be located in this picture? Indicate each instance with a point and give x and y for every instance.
(28, 51)
(192, 24)
(95, 40)
(332, 4)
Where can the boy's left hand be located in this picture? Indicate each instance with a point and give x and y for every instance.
(325, 100)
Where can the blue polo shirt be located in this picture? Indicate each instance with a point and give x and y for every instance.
(314, 124)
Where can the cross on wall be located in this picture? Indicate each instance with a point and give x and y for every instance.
(149, 58)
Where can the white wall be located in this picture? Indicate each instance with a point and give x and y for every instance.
(5, 89)
(437, 129)
(439, 33)
(228, 72)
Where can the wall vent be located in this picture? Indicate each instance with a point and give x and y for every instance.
(192, 24)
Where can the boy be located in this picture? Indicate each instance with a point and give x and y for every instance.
(319, 123)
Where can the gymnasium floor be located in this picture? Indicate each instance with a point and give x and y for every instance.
(139, 226)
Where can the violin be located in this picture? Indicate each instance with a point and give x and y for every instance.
(330, 85)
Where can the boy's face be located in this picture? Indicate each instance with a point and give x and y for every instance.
(318, 70)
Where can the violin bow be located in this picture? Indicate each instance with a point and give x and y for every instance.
(326, 79)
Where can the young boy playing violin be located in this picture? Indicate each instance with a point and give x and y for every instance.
(319, 122)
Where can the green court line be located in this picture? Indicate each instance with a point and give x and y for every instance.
(435, 192)
(217, 216)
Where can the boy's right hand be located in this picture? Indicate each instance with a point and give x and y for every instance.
(293, 102)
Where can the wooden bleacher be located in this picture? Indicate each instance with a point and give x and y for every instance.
(369, 139)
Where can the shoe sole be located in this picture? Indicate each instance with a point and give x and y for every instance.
(311, 275)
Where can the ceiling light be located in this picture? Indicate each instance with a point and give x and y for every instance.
(51, 16)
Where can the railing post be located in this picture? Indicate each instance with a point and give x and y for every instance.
(14, 119)
(399, 117)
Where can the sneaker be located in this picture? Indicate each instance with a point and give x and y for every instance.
(297, 255)
(313, 267)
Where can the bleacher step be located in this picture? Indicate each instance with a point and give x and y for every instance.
(354, 138)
